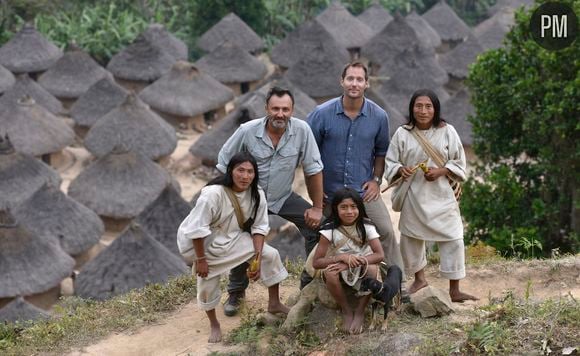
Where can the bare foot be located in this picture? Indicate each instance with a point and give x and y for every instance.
(417, 285)
(460, 297)
(278, 308)
(357, 323)
(215, 334)
(347, 318)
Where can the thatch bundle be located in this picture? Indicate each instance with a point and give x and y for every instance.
(347, 30)
(28, 51)
(230, 64)
(231, 28)
(446, 22)
(456, 110)
(158, 35)
(6, 79)
(376, 17)
(492, 31)
(26, 86)
(19, 310)
(133, 260)
(134, 125)
(425, 33)
(396, 118)
(457, 61)
(102, 97)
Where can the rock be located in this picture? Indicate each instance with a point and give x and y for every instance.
(324, 322)
(299, 311)
(431, 301)
(268, 319)
(397, 344)
(326, 298)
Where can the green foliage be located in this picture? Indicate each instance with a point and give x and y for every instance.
(209, 12)
(526, 133)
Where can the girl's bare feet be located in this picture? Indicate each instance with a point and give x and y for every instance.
(357, 323)
(347, 318)
(215, 334)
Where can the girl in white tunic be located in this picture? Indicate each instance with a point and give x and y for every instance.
(348, 250)
(429, 210)
(211, 235)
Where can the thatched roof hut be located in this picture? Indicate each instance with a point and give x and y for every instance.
(492, 31)
(348, 31)
(102, 97)
(23, 86)
(21, 175)
(376, 17)
(6, 79)
(133, 260)
(72, 75)
(301, 41)
(233, 29)
(29, 264)
(33, 129)
(49, 213)
(425, 33)
(457, 61)
(19, 310)
(445, 21)
(162, 217)
(456, 110)
(396, 118)
(512, 4)
(186, 91)
(397, 92)
(28, 51)
(134, 125)
(158, 35)
(119, 185)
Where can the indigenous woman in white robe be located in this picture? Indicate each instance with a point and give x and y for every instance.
(211, 235)
(429, 210)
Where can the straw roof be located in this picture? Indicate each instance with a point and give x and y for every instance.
(26, 86)
(134, 125)
(457, 61)
(186, 91)
(119, 185)
(446, 22)
(49, 213)
(376, 17)
(33, 129)
(512, 4)
(21, 175)
(102, 97)
(397, 93)
(492, 31)
(228, 63)
(141, 60)
(6, 79)
(347, 30)
(158, 35)
(20, 310)
(28, 51)
(301, 41)
(72, 75)
(455, 111)
(29, 264)
(396, 119)
(133, 260)
(233, 29)
(425, 33)
(162, 217)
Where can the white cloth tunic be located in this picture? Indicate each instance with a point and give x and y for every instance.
(429, 211)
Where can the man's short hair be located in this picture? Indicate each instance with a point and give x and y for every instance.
(356, 64)
(279, 92)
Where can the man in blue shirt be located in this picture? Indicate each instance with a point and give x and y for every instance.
(352, 133)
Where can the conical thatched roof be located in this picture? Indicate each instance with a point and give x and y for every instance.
(512, 4)
(162, 217)
(49, 213)
(233, 29)
(29, 264)
(134, 125)
(347, 30)
(141, 60)
(317, 73)
(158, 35)
(72, 75)
(492, 31)
(186, 91)
(396, 118)
(133, 260)
(228, 63)
(455, 111)
(28, 51)
(102, 97)
(119, 185)
(26, 86)
(425, 33)
(21, 175)
(33, 129)
(20, 310)
(456, 61)
(6, 79)
(446, 22)
(397, 93)
(376, 17)
(301, 41)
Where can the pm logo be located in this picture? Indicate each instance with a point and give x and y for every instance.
(554, 25)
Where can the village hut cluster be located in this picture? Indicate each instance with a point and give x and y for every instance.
(56, 240)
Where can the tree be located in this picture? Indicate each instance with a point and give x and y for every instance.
(526, 132)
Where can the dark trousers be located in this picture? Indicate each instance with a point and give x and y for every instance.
(293, 211)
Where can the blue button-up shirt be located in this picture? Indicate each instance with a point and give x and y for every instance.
(275, 165)
(348, 147)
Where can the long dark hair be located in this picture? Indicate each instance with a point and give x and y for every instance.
(227, 179)
(437, 119)
(348, 193)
